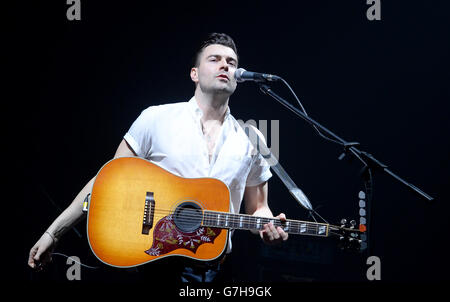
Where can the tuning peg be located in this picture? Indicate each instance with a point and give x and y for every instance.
(343, 222)
(353, 224)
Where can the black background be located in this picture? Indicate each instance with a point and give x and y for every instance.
(78, 85)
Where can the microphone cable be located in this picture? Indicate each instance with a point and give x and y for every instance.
(304, 111)
(69, 257)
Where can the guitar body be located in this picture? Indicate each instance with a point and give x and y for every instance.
(138, 213)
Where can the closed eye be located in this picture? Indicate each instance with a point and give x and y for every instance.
(214, 58)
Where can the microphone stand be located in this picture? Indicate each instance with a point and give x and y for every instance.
(370, 163)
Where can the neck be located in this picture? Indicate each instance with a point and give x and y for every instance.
(213, 106)
(249, 222)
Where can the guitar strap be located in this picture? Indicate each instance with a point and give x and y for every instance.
(275, 165)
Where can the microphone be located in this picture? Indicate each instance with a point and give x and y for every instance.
(242, 75)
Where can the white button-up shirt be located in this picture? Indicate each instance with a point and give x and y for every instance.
(171, 136)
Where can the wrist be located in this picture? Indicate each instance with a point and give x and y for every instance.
(52, 236)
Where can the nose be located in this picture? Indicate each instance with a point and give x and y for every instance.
(224, 64)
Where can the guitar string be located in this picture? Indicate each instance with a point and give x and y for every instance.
(195, 213)
(233, 218)
(292, 230)
(236, 223)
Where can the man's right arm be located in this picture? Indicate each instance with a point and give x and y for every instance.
(40, 253)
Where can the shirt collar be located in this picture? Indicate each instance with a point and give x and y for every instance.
(198, 113)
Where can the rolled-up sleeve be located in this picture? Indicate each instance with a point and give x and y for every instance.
(259, 171)
(139, 134)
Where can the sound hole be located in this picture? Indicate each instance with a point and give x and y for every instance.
(188, 217)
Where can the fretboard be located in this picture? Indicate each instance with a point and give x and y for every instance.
(247, 222)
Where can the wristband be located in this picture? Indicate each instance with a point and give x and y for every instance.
(53, 237)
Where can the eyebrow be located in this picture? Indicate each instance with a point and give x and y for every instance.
(228, 58)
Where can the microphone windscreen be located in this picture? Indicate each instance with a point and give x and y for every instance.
(238, 75)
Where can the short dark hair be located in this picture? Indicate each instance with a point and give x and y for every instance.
(214, 38)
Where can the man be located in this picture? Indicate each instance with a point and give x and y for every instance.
(198, 138)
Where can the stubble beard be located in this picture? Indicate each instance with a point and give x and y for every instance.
(219, 90)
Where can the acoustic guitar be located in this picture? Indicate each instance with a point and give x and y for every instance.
(138, 212)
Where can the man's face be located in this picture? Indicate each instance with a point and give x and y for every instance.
(215, 72)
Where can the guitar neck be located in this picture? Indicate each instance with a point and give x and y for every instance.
(247, 222)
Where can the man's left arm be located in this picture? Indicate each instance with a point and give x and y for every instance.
(255, 198)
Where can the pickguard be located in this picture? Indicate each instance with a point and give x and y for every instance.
(167, 237)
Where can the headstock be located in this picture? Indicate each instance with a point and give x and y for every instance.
(349, 236)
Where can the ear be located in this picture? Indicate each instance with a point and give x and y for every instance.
(194, 74)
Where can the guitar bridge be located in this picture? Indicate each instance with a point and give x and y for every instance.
(148, 213)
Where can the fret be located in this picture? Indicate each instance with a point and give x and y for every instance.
(266, 221)
(322, 230)
(236, 221)
(231, 221)
(256, 223)
(251, 223)
(205, 218)
(315, 229)
(302, 228)
(286, 228)
(298, 229)
(223, 219)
